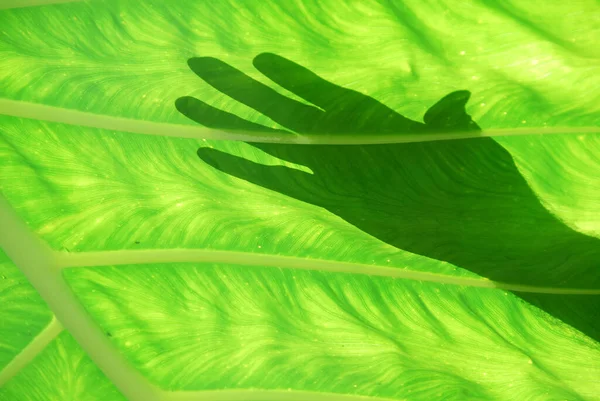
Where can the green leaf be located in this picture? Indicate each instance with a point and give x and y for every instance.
(325, 200)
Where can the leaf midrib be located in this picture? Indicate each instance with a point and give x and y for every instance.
(35, 111)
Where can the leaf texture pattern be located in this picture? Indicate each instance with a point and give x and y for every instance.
(521, 208)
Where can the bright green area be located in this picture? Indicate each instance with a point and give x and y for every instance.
(61, 372)
(23, 314)
(200, 327)
(518, 209)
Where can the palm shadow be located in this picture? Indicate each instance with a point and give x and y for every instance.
(460, 201)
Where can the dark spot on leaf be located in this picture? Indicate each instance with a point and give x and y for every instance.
(108, 333)
(137, 242)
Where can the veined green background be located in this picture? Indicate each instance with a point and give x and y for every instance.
(197, 327)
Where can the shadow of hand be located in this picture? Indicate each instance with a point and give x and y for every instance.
(460, 201)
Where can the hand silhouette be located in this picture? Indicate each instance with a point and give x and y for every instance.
(460, 201)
